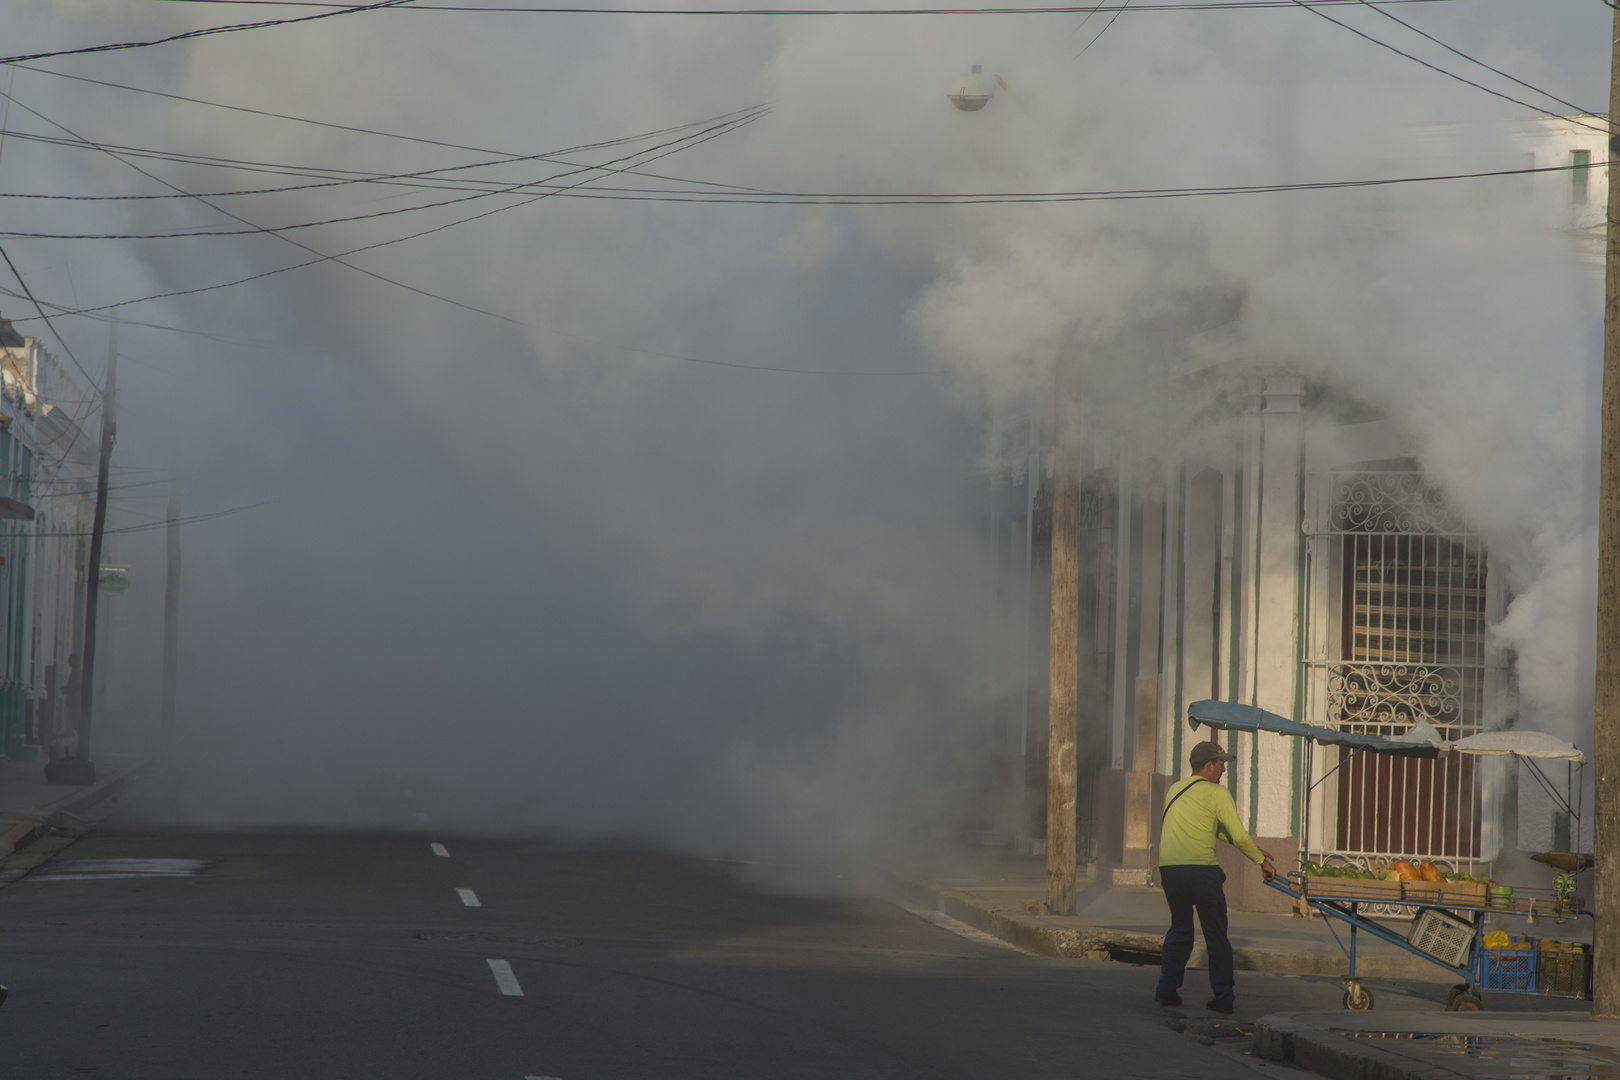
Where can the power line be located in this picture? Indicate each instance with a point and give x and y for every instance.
(1080, 9)
(674, 146)
(1312, 8)
(205, 32)
(339, 259)
(47, 319)
(480, 193)
(582, 148)
(1104, 30)
(481, 187)
(332, 175)
(1473, 60)
(760, 197)
(147, 526)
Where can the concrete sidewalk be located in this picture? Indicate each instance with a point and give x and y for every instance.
(999, 893)
(43, 818)
(1442, 1046)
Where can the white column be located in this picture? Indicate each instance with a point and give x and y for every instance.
(1248, 569)
(1278, 623)
(1124, 691)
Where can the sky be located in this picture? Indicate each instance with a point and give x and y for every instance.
(665, 520)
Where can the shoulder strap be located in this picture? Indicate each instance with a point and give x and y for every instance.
(1179, 794)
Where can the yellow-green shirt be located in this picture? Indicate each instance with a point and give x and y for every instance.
(1195, 821)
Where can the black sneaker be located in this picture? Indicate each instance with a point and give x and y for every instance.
(1220, 1006)
(1168, 1000)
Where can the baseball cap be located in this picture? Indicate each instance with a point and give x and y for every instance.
(1206, 752)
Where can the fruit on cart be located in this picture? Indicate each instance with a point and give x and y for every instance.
(1430, 872)
(1320, 871)
(1389, 873)
(1406, 871)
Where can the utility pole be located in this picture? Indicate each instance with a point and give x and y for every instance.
(1061, 776)
(171, 616)
(79, 769)
(1606, 718)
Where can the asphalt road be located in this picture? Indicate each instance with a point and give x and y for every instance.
(325, 955)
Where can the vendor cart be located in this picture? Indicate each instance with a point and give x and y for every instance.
(1449, 919)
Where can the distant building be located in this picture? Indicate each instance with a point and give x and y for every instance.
(47, 475)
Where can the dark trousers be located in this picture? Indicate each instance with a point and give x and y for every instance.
(1188, 889)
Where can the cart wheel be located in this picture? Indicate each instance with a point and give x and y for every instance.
(1467, 1003)
(1453, 994)
(1358, 998)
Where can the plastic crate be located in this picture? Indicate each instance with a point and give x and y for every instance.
(1563, 973)
(1441, 935)
(1507, 969)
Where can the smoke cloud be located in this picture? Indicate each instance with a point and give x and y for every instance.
(686, 541)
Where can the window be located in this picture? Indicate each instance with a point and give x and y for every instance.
(1579, 175)
(1403, 642)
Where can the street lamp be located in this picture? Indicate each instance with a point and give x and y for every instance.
(972, 92)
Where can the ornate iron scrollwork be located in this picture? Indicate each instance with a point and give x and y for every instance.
(1385, 698)
(1390, 502)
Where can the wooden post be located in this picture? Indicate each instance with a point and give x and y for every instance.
(92, 587)
(1061, 776)
(1606, 720)
(171, 617)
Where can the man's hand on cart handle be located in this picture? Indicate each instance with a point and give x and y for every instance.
(1266, 867)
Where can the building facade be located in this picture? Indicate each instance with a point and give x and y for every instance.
(47, 479)
(1267, 541)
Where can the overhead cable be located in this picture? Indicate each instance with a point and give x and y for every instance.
(674, 146)
(1312, 8)
(204, 32)
(1472, 60)
(287, 239)
(582, 148)
(1075, 9)
(47, 319)
(703, 135)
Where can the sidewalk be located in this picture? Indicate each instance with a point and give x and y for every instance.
(997, 892)
(29, 807)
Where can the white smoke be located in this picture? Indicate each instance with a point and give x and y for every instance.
(788, 568)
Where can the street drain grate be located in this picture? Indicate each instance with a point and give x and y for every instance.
(1510, 1057)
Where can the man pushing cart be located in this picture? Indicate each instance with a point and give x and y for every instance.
(1450, 911)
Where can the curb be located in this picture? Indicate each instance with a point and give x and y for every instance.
(1036, 934)
(1324, 1043)
(103, 792)
(40, 837)
(18, 828)
(1337, 1057)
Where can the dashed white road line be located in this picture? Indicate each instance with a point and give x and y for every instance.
(468, 897)
(505, 981)
(439, 850)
